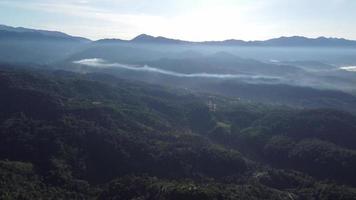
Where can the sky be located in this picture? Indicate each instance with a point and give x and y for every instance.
(194, 20)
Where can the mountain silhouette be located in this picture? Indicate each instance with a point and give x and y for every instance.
(20, 33)
(281, 41)
(8, 32)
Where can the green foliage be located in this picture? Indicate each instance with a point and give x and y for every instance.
(72, 136)
(20, 181)
(152, 188)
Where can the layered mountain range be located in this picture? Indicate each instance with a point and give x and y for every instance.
(8, 32)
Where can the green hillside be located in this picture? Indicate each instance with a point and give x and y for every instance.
(93, 136)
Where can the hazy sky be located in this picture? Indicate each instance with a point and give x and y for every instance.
(185, 19)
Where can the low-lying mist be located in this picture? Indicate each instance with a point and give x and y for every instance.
(336, 79)
(101, 63)
(349, 68)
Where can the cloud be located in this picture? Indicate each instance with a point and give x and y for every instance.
(204, 21)
(349, 68)
(196, 20)
(100, 22)
(100, 63)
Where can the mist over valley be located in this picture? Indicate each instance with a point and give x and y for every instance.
(168, 119)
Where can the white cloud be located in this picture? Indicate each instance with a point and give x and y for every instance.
(201, 20)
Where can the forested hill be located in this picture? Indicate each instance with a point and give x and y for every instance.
(93, 136)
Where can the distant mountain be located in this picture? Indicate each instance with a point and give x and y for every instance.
(23, 45)
(231, 42)
(223, 63)
(143, 38)
(20, 33)
(304, 41)
(282, 41)
(108, 41)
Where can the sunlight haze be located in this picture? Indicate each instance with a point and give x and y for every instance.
(189, 20)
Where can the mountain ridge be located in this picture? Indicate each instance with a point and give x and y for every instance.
(7, 32)
(280, 41)
(283, 41)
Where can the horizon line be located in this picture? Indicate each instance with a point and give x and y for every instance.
(192, 41)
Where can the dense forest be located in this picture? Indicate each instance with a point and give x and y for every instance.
(67, 135)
